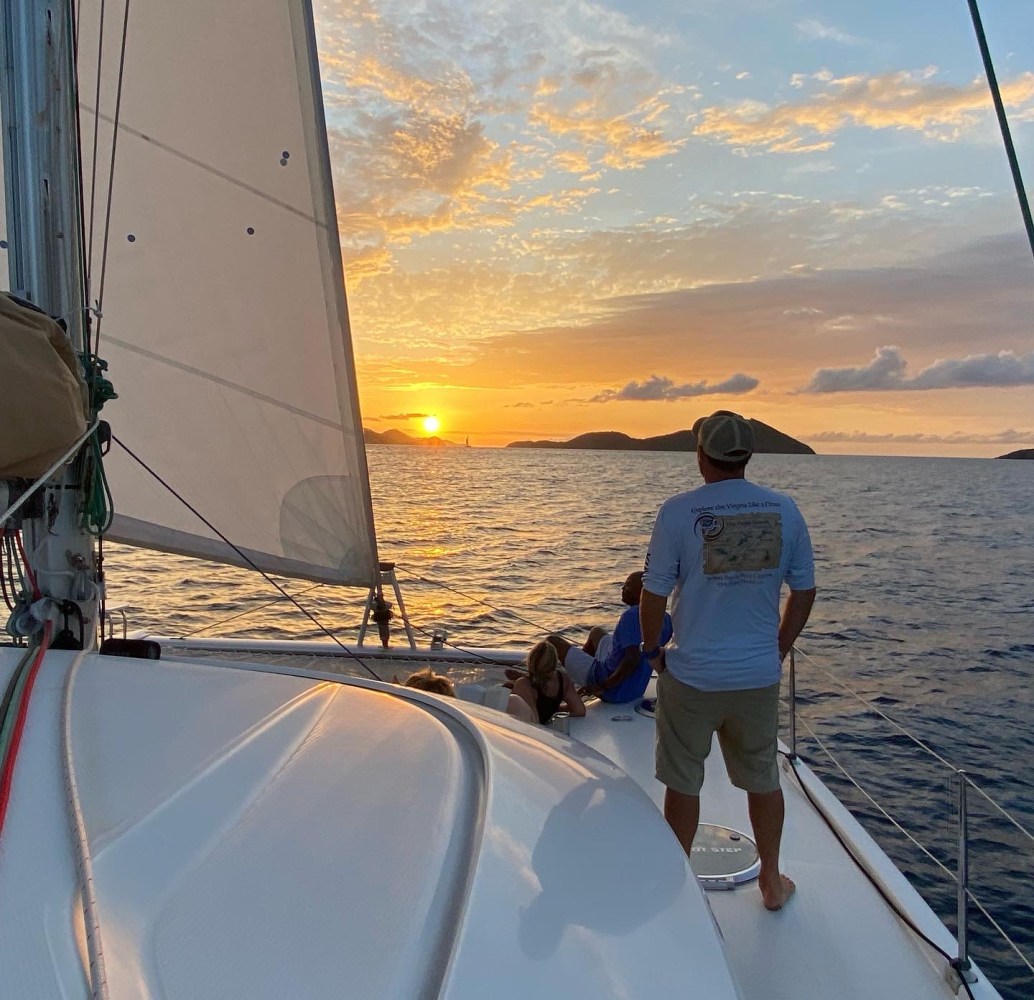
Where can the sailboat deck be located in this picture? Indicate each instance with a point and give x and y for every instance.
(836, 937)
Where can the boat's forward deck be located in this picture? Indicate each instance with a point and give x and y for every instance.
(837, 937)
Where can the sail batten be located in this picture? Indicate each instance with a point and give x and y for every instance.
(224, 320)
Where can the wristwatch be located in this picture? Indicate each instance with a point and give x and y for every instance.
(650, 654)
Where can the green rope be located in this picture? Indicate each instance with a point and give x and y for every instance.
(98, 508)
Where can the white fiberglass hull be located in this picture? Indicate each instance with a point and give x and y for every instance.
(254, 834)
(839, 937)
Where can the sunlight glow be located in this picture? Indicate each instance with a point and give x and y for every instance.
(431, 423)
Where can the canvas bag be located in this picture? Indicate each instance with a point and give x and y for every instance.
(43, 402)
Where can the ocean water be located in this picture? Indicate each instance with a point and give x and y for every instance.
(925, 612)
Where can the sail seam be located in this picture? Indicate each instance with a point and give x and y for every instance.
(226, 383)
(207, 168)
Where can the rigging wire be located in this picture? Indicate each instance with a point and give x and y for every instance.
(250, 562)
(96, 139)
(1003, 122)
(27, 568)
(247, 612)
(111, 178)
(915, 739)
(84, 342)
(7, 572)
(487, 604)
(46, 476)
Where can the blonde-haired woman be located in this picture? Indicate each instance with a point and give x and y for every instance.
(547, 687)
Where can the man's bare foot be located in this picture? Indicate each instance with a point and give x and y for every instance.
(775, 897)
(513, 674)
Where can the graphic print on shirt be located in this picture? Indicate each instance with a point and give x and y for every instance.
(741, 543)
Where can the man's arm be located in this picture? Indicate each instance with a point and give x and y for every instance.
(795, 616)
(651, 621)
(628, 666)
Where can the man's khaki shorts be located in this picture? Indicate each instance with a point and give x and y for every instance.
(747, 723)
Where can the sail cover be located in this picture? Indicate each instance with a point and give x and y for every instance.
(223, 314)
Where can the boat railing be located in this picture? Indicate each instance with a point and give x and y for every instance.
(960, 788)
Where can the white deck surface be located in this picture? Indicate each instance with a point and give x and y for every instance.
(263, 836)
(836, 939)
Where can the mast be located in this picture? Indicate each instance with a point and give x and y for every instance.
(45, 261)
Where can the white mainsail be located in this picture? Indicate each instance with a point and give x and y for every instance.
(224, 319)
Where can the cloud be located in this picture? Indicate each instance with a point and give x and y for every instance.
(404, 416)
(814, 30)
(899, 100)
(657, 387)
(621, 140)
(866, 437)
(886, 371)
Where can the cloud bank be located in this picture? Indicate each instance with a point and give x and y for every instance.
(656, 387)
(866, 437)
(903, 100)
(886, 371)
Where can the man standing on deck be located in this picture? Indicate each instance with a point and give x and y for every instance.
(725, 549)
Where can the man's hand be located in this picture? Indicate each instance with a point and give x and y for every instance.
(795, 616)
(657, 662)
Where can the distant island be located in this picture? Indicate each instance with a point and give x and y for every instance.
(1022, 453)
(398, 437)
(767, 441)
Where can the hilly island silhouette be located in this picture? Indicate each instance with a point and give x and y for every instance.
(767, 440)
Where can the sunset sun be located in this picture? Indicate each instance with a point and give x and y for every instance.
(431, 423)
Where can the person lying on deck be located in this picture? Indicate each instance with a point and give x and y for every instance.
(428, 680)
(546, 688)
(612, 665)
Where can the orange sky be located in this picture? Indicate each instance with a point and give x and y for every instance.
(566, 217)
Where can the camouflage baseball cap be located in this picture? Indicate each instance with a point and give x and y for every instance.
(725, 436)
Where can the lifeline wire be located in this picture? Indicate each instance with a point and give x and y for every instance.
(248, 611)
(918, 742)
(875, 884)
(876, 805)
(481, 600)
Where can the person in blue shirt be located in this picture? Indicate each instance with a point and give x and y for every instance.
(724, 552)
(611, 665)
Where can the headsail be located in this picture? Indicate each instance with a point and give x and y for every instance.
(223, 313)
